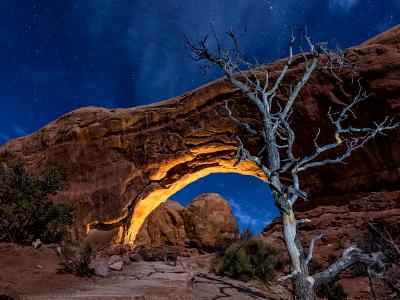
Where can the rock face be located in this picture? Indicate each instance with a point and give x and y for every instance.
(207, 218)
(164, 226)
(198, 225)
(122, 163)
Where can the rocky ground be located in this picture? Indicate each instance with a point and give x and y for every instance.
(28, 273)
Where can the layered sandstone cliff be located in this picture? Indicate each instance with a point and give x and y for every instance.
(122, 163)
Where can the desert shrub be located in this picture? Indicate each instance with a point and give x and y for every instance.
(76, 257)
(236, 263)
(247, 234)
(254, 258)
(223, 242)
(167, 254)
(264, 258)
(333, 291)
(147, 256)
(25, 210)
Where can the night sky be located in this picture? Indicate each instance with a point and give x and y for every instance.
(57, 56)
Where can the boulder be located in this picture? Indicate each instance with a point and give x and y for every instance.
(199, 225)
(117, 266)
(101, 269)
(113, 259)
(207, 218)
(164, 226)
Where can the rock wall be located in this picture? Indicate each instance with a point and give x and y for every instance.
(122, 163)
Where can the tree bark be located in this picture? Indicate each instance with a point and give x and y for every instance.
(303, 284)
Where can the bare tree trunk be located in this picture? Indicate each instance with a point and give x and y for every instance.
(303, 284)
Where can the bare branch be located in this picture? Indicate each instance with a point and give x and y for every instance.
(311, 247)
(302, 221)
(385, 236)
(289, 276)
(243, 154)
(234, 119)
(351, 256)
(351, 143)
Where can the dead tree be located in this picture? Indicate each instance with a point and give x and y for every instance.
(381, 236)
(279, 138)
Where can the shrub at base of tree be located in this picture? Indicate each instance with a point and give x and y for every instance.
(26, 213)
(249, 259)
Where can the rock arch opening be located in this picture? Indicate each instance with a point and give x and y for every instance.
(203, 211)
(152, 199)
(249, 197)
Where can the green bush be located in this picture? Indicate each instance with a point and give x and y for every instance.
(264, 258)
(236, 263)
(25, 210)
(254, 258)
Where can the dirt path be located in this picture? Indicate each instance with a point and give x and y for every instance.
(33, 274)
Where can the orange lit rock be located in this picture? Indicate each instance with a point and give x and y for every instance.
(207, 218)
(122, 163)
(164, 226)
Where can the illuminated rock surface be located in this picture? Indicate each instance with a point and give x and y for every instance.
(122, 163)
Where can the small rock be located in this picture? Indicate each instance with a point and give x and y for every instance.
(116, 266)
(39, 266)
(135, 257)
(58, 250)
(113, 259)
(36, 244)
(101, 269)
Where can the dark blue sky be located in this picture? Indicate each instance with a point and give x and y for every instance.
(56, 56)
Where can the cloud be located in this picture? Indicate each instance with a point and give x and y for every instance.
(247, 217)
(19, 130)
(342, 4)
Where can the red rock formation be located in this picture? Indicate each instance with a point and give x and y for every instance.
(122, 163)
(164, 226)
(199, 224)
(207, 218)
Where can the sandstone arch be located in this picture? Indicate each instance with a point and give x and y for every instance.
(123, 162)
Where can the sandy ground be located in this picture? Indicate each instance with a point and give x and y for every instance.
(30, 273)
